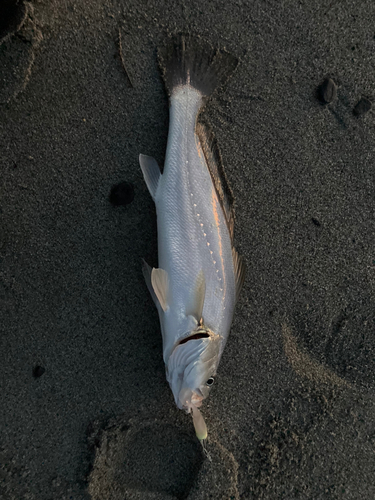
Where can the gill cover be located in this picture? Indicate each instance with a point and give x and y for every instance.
(190, 365)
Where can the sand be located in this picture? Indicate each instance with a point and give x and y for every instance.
(85, 408)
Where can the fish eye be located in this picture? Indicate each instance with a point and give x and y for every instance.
(210, 381)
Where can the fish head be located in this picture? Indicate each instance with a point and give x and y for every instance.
(191, 368)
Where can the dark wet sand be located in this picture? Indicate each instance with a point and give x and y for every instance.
(292, 412)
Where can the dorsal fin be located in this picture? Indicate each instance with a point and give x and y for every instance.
(215, 166)
(239, 271)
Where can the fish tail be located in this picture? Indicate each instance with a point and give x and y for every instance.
(191, 60)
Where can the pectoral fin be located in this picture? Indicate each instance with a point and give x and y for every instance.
(151, 173)
(160, 286)
(147, 270)
(195, 307)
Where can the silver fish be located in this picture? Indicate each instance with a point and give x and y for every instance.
(200, 273)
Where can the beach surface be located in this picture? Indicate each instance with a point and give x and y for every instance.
(86, 411)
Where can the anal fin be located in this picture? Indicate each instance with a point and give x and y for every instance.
(151, 173)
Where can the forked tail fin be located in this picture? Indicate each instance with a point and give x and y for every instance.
(190, 60)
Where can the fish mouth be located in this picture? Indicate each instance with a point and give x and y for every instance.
(197, 399)
(190, 397)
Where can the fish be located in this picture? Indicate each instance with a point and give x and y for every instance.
(200, 274)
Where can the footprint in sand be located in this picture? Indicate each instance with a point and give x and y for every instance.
(155, 460)
(19, 39)
(339, 349)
